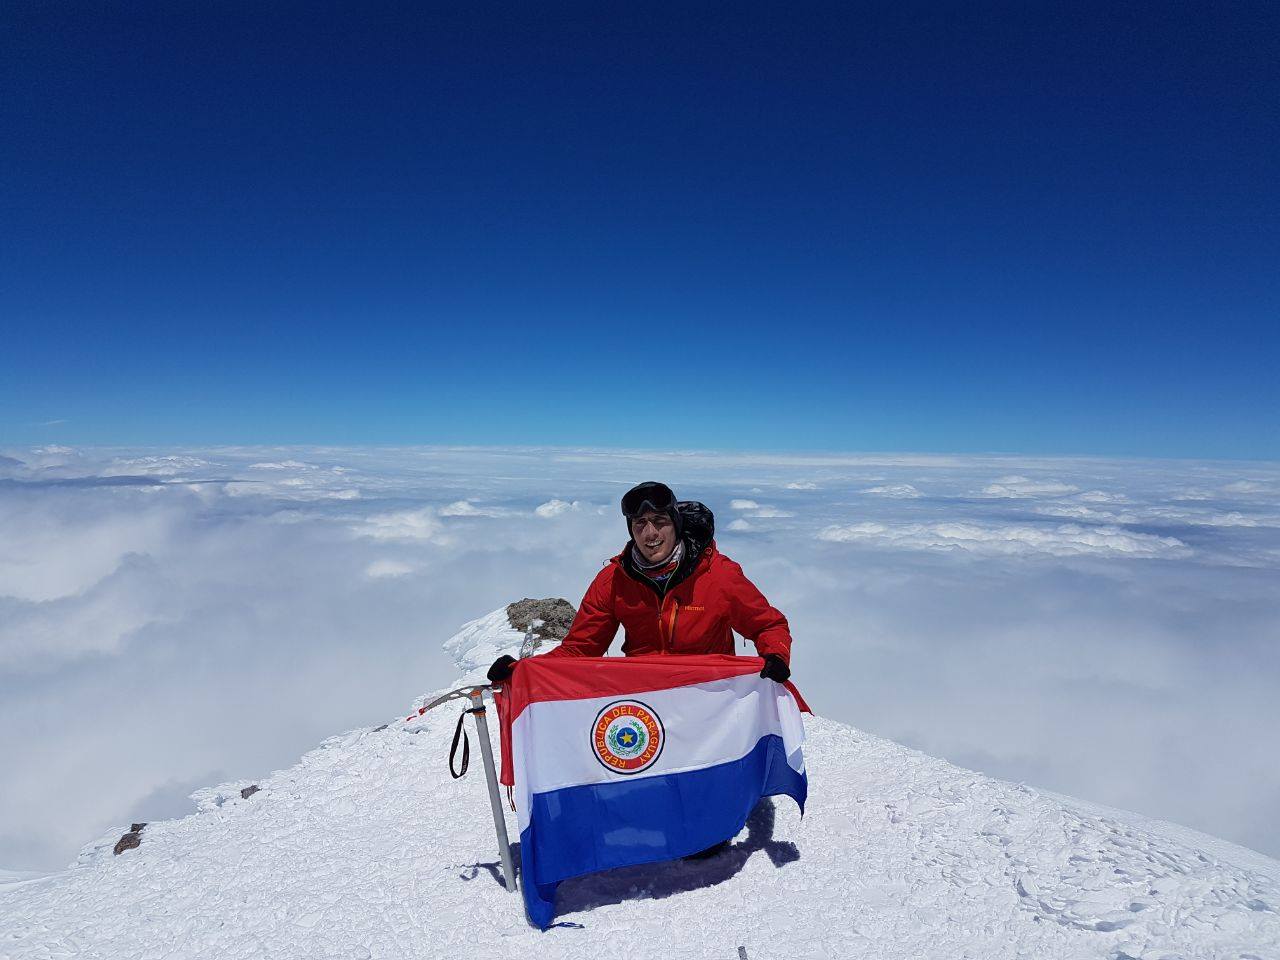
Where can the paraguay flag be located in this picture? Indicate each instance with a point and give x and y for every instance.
(623, 760)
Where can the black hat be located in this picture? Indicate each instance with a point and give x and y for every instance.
(647, 496)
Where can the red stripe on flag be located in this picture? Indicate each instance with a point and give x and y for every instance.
(578, 678)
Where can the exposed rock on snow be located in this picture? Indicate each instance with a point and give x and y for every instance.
(366, 848)
(556, 616)
(131, 840)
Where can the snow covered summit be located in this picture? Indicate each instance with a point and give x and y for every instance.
(367, 848)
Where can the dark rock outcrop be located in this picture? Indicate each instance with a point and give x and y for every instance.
(131, 839)
(249, 791)
(556, 616)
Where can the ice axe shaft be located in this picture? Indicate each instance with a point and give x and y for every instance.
(495, 797)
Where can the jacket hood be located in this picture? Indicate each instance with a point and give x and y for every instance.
(696, 555)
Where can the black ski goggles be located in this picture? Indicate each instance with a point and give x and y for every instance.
(648, 497)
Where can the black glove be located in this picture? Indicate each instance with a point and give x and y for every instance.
(501, 669)
(775, 668)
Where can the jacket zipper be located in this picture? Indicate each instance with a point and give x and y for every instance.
(662, 633)
(664, 638)
(667, 637)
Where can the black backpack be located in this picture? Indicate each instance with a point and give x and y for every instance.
(698, 521)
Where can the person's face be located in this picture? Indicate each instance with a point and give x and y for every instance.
(655, 536)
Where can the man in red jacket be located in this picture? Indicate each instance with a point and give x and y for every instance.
(672, 591)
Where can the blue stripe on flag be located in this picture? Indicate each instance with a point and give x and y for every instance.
(593, 827)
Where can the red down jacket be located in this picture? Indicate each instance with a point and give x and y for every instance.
(696, 615)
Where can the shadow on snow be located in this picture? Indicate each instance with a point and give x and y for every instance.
(669, 877)
(664, 878)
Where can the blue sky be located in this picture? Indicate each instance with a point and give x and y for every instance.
(1017, 228)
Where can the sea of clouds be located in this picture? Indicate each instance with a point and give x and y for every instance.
(173, 618)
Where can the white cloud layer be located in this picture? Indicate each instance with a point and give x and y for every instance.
(174, 618)
(902, 491)
(555, 508)
(1023, 487)
(388, 568)
(1066, 540)
(422, 524)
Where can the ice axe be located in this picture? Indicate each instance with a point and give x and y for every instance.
(475, 695)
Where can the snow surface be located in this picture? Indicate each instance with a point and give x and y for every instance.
(368, 849)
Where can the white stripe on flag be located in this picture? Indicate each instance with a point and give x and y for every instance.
(704, 724)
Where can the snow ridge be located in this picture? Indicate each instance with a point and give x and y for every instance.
(367, 848)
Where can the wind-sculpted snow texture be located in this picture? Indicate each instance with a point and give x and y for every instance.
(367, 849)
